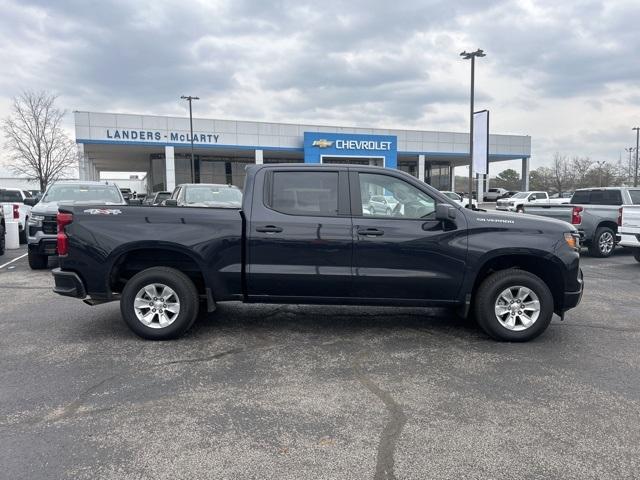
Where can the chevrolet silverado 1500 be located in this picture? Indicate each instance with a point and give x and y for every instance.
(305, 234)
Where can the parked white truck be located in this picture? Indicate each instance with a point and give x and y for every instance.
(15, 208)
(629, 229)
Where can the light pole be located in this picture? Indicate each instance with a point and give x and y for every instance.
(635, 170)
(630, 150)
(189, 98)
(471, 56)
(600, 164)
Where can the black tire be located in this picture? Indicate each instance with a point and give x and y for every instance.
(488, 293)
(22, 236)
(598, 247)
(37, 261)
(520, 209)
(2, 239)
(184, 289)
(636, 254)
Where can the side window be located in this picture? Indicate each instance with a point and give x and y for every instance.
(635, 196)
(175, 193)
(405, 200)
(305, 193)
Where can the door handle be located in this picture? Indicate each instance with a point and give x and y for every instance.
(269, 229)
(370, 232)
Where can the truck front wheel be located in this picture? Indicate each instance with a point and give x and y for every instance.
(159, 303)
(513, 305)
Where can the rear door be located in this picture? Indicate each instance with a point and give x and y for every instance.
(408, 255)
(299, 234)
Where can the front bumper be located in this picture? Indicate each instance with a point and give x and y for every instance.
(68, 284)
(572, 299)
(44, 247)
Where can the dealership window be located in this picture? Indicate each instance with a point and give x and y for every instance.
(387, 196)
(438, 175)
(298, 193)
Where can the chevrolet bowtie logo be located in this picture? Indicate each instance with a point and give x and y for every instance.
(322, 143)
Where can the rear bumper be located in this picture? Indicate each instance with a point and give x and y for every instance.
(68, 284)
(572, 299)
(629, 240)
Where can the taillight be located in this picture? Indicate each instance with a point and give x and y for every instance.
(63, 219)
(576, 217)
(16, 212)
(620, 217)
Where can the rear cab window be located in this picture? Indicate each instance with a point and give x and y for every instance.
(597, 197)
(10, 196)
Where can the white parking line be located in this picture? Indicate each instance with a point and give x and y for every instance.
(14, 260)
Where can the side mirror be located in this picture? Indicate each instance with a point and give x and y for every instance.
(445, 212)
(171, 202)
(30, 201)
(135, 201)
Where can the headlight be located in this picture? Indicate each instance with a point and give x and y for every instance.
(36, 220)
(573, 240)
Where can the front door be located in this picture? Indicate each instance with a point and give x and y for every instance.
(404, 252)
(300, 235)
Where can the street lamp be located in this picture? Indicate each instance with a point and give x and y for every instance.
(472, 56)
(630, 150)
(600, 164)
(635, 171)
(189, 98)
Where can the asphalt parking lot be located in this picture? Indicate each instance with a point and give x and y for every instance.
(293, 392)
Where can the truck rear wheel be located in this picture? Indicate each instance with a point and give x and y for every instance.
(636, 254)
(159, 303)
(513, 305)
(37, 261)
(603, 243)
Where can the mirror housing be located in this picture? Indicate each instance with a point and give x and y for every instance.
(171, 202)
(445, 211)
(134, 201)
(30, 201)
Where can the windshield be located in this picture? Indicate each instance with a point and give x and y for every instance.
(213, 195)
(521, 195)
(83, 193)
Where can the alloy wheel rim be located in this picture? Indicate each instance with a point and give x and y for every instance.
(156, 305)
(606, 242)
(517, 308)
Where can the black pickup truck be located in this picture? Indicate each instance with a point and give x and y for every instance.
(305, 234)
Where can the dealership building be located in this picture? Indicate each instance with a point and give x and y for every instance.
(161, 146)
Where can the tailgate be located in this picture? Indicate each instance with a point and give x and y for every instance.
(630, 219)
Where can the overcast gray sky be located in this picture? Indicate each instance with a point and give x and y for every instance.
(565, 72)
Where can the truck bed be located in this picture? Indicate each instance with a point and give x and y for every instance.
(106, 236)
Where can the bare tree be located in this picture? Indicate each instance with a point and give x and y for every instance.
(562, 175)
(581, 167)
(37, 144)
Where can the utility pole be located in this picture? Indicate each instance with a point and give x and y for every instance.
(635, 171)
(193, 163)
(472, 56)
